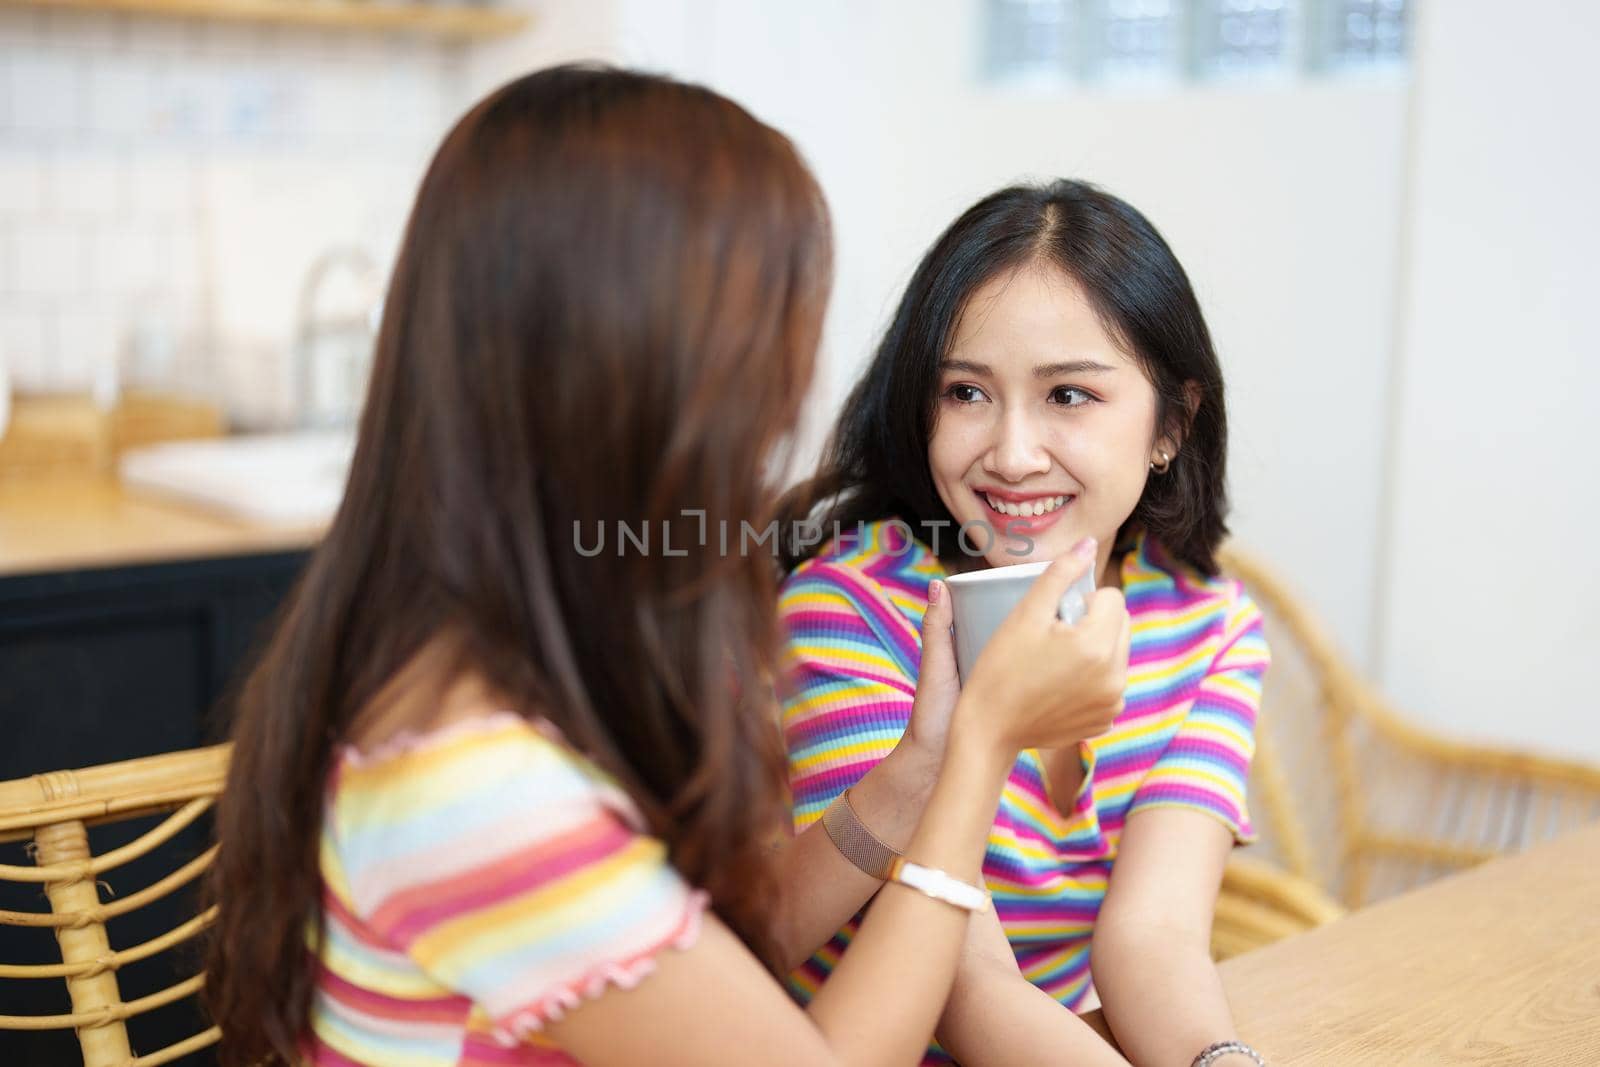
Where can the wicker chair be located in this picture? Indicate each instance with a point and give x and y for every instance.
(54, 811)
(1355, 804)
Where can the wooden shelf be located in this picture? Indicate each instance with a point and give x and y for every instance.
(460, 21)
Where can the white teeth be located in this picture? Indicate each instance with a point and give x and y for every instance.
(1027, 509)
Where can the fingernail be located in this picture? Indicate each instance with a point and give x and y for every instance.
(935, 591)
(1086, 548)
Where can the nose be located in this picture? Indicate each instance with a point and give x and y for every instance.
(1018, 449)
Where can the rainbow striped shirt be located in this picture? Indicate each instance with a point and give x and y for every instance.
(478, 882)
(852, 620)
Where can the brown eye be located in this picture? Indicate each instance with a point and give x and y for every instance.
(963, 393)
(1070, 396)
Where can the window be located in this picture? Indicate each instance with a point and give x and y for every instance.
(1363, 33)
(1113, 42)
(1242, 38)
(1136, 40)
(1032, 41)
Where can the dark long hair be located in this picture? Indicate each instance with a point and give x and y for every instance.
(875, 465)
(606, 308)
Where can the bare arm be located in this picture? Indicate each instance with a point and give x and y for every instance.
(997, 1018)
(1039, 683)
(1151, 958)
(714, 1004)
(819, 889)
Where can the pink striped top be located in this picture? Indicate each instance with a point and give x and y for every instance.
(852, 620)
(478, 882)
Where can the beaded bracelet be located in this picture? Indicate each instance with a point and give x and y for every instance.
(1222, 1048)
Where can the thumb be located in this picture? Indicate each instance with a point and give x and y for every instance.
(1043, 598)
(938, 644)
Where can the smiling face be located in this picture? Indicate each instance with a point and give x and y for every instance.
(1044, 427)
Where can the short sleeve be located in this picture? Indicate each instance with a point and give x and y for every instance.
(508, 871)
(846, 688)
(1206, 765)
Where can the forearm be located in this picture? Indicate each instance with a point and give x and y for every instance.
(1003, 1020)
(819, 889)
(883, 999)
(1161, 994)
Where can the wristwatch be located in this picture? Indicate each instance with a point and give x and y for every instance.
(855, 842)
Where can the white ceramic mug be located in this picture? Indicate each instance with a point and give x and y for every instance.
(981, 600)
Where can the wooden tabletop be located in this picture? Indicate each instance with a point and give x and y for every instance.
(68, 523)
(1498, 965)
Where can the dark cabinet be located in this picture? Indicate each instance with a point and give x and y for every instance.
(109, 664)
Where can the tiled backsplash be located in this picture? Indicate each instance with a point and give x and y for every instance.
(165, 185)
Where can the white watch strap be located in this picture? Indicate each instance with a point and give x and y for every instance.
(933, 882)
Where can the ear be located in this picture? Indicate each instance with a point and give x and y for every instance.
(1177, 429)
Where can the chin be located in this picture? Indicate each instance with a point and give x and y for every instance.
(1053, 545)
(999, 556)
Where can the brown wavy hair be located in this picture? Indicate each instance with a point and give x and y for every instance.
(606, 309)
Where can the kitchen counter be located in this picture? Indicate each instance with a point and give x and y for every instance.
(79, 522)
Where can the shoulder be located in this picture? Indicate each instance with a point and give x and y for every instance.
(1175, 604)
(505, 866)
(872, 567)
(464, 795)
(474, 757)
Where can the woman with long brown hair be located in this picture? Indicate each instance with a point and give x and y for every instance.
(489, 778)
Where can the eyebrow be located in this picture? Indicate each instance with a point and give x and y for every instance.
(1043, 370)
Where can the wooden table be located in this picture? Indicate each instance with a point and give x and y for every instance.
(1498, 965)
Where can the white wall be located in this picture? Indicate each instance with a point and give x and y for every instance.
(561, 31)
(1283, 202)
(1487, 610)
